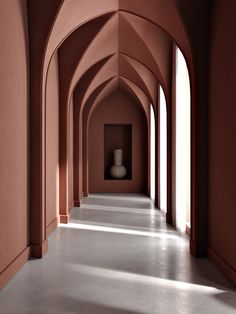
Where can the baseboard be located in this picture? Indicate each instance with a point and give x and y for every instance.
(10, 271)
(221, 263)
(52, 226)
(64, 219)
(39, 250)
(77, 203)
(198, 249)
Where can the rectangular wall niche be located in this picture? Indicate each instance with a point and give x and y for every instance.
(117, 136)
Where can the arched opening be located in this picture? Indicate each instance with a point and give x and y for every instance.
(152, 154)
(118, 122)
(183, 144)
(163, 149)
(163, 171)
(151, 65)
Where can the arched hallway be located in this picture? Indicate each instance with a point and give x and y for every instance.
(117, 255)
(117, 96)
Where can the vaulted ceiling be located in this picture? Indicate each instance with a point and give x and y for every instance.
(108, 45)
(117, 48)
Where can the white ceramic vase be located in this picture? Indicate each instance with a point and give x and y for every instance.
(118, 171)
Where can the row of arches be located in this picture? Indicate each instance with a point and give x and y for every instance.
(113, 45)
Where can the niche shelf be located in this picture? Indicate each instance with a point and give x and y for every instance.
(118, 136)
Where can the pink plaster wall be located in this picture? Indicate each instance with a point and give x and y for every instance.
(13, 131)
(70, 162)
(52, 142)
(118, 108)
(222, 130)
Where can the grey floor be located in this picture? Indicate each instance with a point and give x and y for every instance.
(117, 255)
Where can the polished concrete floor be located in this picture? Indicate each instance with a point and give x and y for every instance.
(118, 256)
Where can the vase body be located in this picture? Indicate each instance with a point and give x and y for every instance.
(118, 170)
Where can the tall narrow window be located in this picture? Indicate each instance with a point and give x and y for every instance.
(153, 152)
(163, 151)
(183, 172)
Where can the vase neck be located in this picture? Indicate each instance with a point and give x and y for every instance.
(118, 157)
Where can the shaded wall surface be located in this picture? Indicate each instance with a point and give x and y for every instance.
(13, 132)
(70, 161)
(118, 109)
(222, 130)
(52, 143)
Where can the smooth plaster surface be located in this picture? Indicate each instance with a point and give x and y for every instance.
(222, 130)
(118, 108)
(13, 131)
(70, 162)
(117, 255)
(52, 143)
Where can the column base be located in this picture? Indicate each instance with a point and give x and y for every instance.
(39, 250)
(64, 219)
(77, 203)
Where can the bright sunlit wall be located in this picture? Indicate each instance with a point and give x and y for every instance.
(183, 131)
(163, 151)
(153, 152)
(162, 128)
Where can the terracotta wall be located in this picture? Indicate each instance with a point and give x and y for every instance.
(118, 108)
(222, 130)
(52, 143)
(13, 135)
(70, 162)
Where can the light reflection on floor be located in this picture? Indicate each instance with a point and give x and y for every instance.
(86, 226)
(117, 258)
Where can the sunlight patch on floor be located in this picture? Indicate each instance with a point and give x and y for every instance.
(119, 230)
(143, 279)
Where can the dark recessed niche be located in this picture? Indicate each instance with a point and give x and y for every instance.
(117, 136)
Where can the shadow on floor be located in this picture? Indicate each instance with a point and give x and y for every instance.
(70, 304)
(227, 297)
(159, 256)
